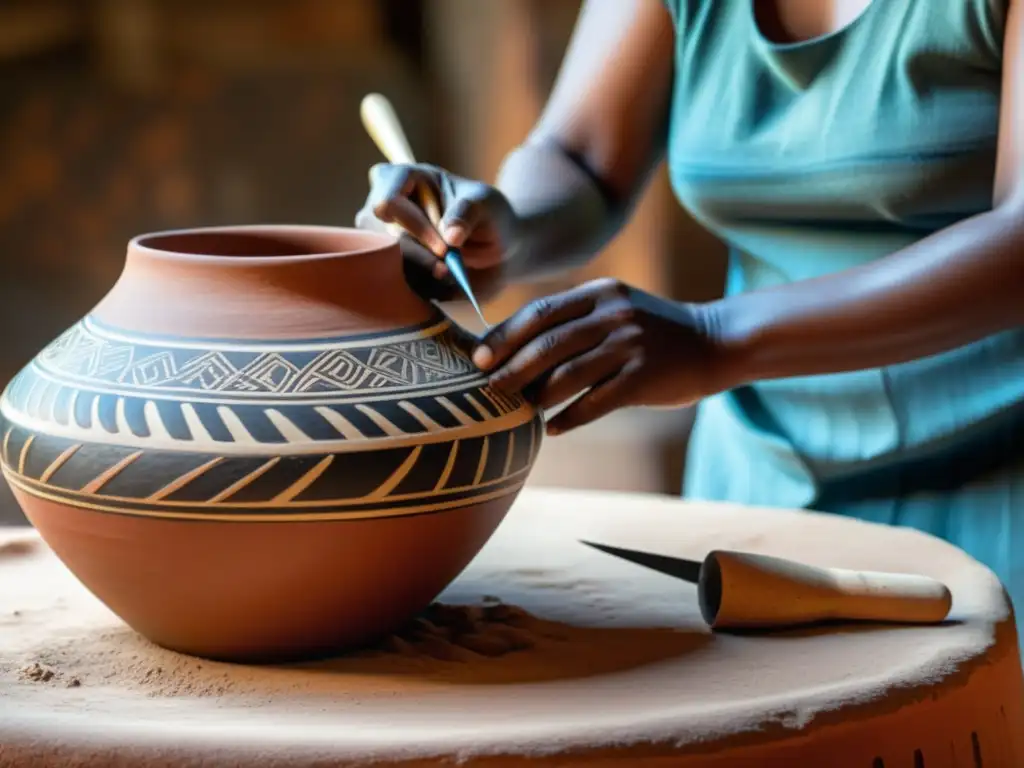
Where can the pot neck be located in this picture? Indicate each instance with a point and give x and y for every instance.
(272, 282)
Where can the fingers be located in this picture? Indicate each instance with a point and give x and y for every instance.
(425, 261)
(583, 340)
(465, 213)
(394, 198)
(551, 349)
(426, 274)
(422, 273)
(608, 395)
(365, 219)
(584, 371)
(537, 317)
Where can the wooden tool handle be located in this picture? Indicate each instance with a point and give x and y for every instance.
(739, 589)
(382, 124)
(898, 597)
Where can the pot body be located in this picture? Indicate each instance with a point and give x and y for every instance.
(261, 445)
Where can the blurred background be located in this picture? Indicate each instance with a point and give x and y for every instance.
(124, 116)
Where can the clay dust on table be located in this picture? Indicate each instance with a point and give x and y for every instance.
(55, 633)
(60, 636)
(436, 646)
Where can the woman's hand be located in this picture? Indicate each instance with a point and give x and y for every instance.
(476, 218)
(616, 345)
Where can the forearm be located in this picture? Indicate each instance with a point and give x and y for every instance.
(602, 131)
(564, 217)
(952, 288)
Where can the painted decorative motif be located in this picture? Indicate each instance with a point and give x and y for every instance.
(304, 430)
(94, 356)
(244, 493)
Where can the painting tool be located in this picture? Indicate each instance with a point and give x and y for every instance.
(382, 124)
(742, 590)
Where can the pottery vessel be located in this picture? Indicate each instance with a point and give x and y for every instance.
(261, 444)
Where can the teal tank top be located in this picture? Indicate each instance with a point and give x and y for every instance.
(813, 157)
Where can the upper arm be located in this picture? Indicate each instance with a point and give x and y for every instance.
(609, 106)
(1009, 182)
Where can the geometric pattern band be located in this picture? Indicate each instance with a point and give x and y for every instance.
(410, 479)
(34, 399)
(384, 424)
(91, 355)
(104, 384)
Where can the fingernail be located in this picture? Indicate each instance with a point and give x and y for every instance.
(483, 357)
(552, 430)
(452, 233)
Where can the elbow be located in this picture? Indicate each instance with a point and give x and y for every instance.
(596, 172)
(1008, 198)
(1006, 219)
(986, 263)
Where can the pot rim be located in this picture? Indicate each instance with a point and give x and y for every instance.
(374, 242)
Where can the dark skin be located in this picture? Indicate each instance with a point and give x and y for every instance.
(604, 345)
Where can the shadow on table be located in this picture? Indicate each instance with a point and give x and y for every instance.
(545, 652)
(529, 651)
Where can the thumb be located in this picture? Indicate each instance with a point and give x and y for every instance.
(460, 220)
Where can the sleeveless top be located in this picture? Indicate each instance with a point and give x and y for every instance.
(813, 157)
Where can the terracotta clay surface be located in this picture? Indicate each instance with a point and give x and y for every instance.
(261, 444)
(262, 282)
(543, 652)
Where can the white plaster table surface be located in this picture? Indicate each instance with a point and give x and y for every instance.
(620, 668)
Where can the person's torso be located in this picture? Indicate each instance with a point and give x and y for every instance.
(813, 157)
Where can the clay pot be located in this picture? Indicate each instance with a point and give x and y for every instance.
(261, 444)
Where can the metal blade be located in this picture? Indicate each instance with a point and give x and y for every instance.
(676, 567)
(454, 263)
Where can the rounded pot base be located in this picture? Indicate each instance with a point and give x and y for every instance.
(263, 592)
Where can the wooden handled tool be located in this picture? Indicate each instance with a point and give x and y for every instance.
(741, 590)
(382, 124)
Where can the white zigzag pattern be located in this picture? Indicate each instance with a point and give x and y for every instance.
(79, 354)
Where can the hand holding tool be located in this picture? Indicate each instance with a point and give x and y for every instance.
(382, 124)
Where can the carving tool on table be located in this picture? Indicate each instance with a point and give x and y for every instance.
(382, 124)
(742, 590)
